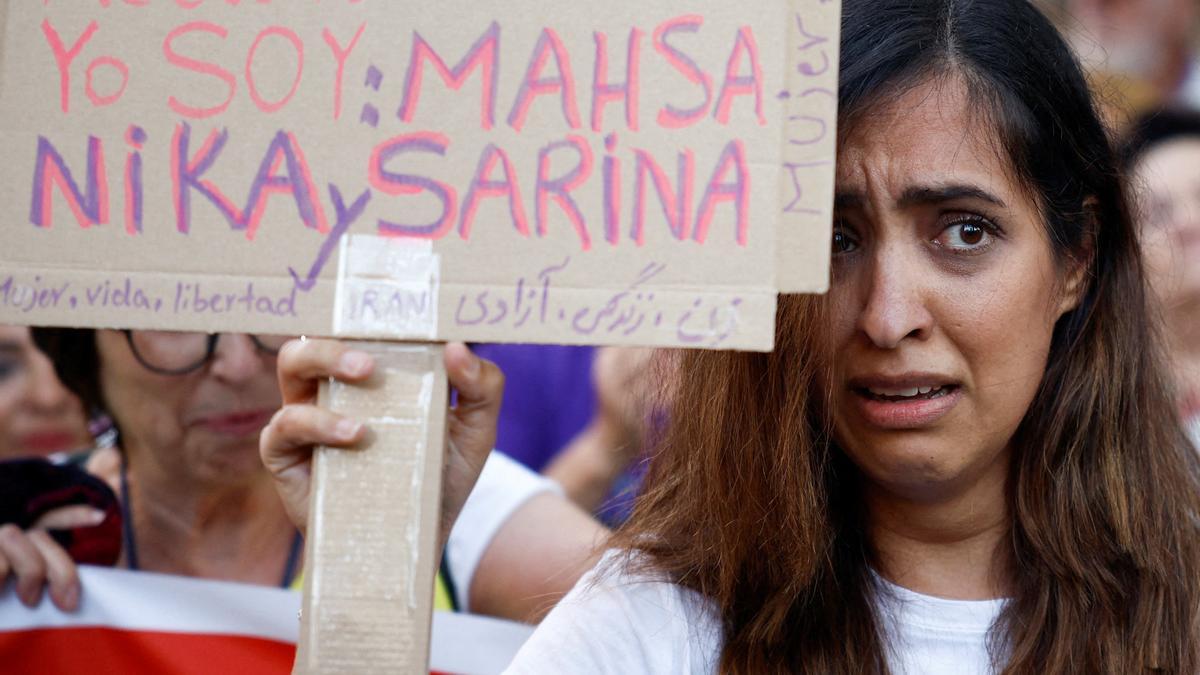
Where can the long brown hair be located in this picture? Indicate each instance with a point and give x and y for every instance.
(749, 501)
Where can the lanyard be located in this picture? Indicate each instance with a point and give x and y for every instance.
(130, 541)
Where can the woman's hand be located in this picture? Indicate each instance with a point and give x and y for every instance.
(287, 442)
(36, 562)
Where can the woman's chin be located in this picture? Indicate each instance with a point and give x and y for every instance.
(923, 471)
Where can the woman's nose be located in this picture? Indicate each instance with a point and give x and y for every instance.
(897, 295)
(237, 358)
(45, 390)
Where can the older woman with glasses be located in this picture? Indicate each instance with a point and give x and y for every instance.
(196, 498)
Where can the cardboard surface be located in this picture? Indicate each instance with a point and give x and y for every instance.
(371, 547)
(595, 173)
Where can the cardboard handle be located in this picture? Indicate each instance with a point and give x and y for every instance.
(370, 567)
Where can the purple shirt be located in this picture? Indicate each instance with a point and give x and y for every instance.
(548, 398)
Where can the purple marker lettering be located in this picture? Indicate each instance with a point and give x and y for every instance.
(392, 183)
(671, 117)
(484, 187)
(676, 206)
(485, 54)
(559, 189)
(186, 175)
(284, 149)
(737, 85)
(612, 191)
(604, 92)
(340, 54)
(135, 137)
(343, 219)
(548, 44)
(89, 206)
(719, 189)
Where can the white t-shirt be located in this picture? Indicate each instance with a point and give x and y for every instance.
(624, 625)
(503, 486)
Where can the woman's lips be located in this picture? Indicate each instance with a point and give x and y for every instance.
(237, 424)
(49, 442)
(905, 412)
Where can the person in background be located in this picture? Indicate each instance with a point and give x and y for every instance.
(578, 415)
(1139, 54)
(1162, 156)
(38, 415)
(197, 500)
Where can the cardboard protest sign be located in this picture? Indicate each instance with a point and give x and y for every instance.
(595, 173)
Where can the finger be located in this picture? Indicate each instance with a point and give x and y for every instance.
(26, 563)
(304, 363)
(286, 447)
(480, 387)
(479, 382)
(62, 575)
(293, 431)
(70, 517)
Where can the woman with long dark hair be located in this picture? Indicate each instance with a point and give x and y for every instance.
(966, 457)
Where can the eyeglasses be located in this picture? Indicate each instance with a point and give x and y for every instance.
(179, 353)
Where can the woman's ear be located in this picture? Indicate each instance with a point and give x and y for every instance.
(1078, 272)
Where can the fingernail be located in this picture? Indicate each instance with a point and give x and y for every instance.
(97, 516)
(355, 363)
(347, 429)
(473, 366)
(70, 598)
(30, 597)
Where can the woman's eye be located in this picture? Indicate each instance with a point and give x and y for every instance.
(9, 370)
(967, 236)
(843, 242)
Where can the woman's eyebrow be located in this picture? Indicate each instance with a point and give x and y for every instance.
(923, 195)
(936, 194)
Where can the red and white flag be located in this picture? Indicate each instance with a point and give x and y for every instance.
(139, 623)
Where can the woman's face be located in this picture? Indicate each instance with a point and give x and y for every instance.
(1169, 175)
(202, 426)
(945, 294)
(38, 415)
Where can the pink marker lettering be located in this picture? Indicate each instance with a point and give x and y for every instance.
(675, 205)
(186, 176)
(298, 183)
(298, 45)
(720, 190)
(559, 189)
(202, 67)
(533, 85)
(484, 187)
(135, 138)
(671, 117)
(90, 206)
(63, 58)
(739, 85)
(340, 55)
(484, 54)
(393, 183)
(604, 92)
(89, 87)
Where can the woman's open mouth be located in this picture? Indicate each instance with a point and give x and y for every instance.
(908, 394)
(903, 406)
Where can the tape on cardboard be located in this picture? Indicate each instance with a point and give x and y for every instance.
(387, 288)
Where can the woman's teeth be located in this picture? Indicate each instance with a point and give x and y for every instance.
(909, 392)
